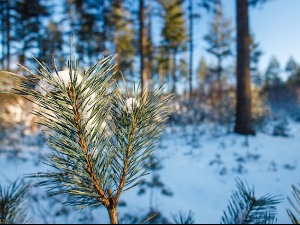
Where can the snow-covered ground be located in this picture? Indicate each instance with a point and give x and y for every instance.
(198, 167)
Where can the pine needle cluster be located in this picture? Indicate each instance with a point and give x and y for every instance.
(245, 208)
(13, 203)
(100, 135)
(182, 218)
(295, 204)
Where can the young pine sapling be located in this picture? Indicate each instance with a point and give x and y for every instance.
(101, 135)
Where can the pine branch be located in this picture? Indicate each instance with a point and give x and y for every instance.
(66, 105)
(295, 205)
(101, 137)
(182, 218)
(13, 206)
(245, 208)
(136, 129)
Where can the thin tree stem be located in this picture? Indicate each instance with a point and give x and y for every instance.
(90, 169)
(126, 160)
(244, 219)
(143, 40)
(3, 212)
(112, 212)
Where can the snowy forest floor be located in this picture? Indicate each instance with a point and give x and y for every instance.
(198, 169)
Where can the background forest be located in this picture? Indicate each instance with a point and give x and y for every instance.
(221, 92)
(155, 42)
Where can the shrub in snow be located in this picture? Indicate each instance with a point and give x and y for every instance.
(281, 128)
(154, 183)
(101, 137)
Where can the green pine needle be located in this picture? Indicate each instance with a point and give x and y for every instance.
(245, 208)
(13, 203)
(182, 218)
(295, 205)
(100, 137)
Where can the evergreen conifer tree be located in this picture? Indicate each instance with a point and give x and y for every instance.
(173, 32)
(202, 75)
(163, 65)
(255, 54)
(52, 41)
(272, 75)
(7, 18)
(121, 34)
(220, 40)
(29, 15)
(293, 71)
(86, 20)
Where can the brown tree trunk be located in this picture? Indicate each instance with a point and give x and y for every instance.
(103, 13)
(142, 15)
(219, 80)
(150, 48)
(160, 75)
(2, 34)
(243, 123)
(191, 48)
(174, 71)
(112, 212)
(8, 34)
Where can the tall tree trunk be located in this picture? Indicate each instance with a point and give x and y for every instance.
(2, 33)
(191, 48)
(8, 35)
(104, 27)
(219, 79)
(174, 70)
(160, 74)
(151, 48)
(243, 123)
(142, 15)
(169, 71)
(113, 217)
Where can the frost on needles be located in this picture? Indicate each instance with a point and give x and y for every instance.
(100, 135)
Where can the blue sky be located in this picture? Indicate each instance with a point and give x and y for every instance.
(275, 26)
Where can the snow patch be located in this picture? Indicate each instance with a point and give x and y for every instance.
(44, 87)
(131, 104)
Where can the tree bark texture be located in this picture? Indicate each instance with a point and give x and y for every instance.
(243, 123)
(8, 34)
(191, 48)
(112, 212)
(142, 15)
